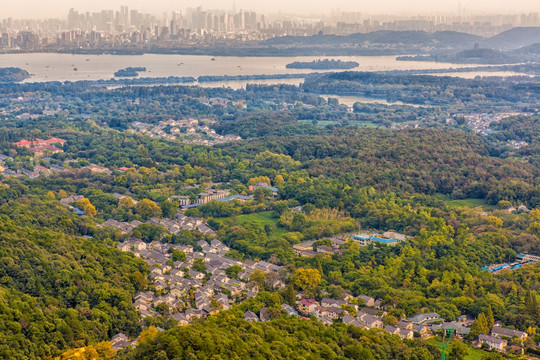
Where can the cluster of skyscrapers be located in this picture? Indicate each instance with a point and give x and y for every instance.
(192, 18)
(130, 27)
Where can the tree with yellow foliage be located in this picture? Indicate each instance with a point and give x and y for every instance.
(494, 221)
(259, 179)
(126, 203)
(102, 351)
(86, 206)
(278, 180)
(307, 279)
(148, 209)
(534, 215)
(534, 228)
(148, 334)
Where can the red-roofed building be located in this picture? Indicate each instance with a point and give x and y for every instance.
(42, 149)
(40, 142)
(307, 306)
(55, 140)
(23, 143)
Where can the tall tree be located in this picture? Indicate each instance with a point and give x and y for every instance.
(479, 326)
(148, 209)
(307, 279)
(490, 320)
(290, 295)
(168, 209)
(458, 351)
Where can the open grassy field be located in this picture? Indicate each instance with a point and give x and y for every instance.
(474, 353)
(470, 202)
(264, 218)
(323, 123)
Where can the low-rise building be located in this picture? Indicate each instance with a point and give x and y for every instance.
(509, 333)
(250, 316)
(307, 306)
(426, 318)
(494, 343)
(368, 300)
(369, 321)
(326, 302)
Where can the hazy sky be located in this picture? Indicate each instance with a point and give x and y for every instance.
(59, 8)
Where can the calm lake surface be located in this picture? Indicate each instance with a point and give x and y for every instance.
(60, 67)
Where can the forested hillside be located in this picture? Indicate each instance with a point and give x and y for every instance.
(423, 161)
(228, 337)
(127, 212)
(58, 291)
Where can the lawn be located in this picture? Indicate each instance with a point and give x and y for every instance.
(474, 353)
(263, 218)
(365, 124)
(323, 123)
(470, 202)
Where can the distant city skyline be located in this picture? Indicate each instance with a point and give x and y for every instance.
(35, 9)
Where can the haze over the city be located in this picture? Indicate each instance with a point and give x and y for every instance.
(59, 8)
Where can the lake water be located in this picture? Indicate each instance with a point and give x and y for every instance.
(60, 67)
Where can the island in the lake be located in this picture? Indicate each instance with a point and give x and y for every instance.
(323, 65)
(12, 74)
(129, 72)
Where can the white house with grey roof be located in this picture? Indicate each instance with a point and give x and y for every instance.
(509, 333)
(493, 342)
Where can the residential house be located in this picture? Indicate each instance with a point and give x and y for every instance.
(120, 341)
(374, 312)
(406, 334)
(368, 300)
(264, 314)
(332, 303)
(403, 324)
(391, 329)
(369, 321)
(349, 320)
(180, 318)
(250, 316)
(508, 333)
(196, 275)
(307, 306)
(494, 343)
(71, 199)
(192, 314)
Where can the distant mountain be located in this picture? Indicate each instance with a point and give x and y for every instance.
(414, 38)
(533, 49)
(391, 37)
(304, 40)
(456, 39)
(485, 56)
(514, 38)
(440, 45)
